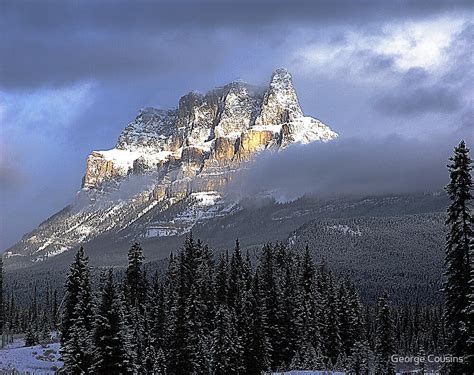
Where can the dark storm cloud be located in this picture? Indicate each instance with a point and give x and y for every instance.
(150, 15)
(59, 42)
(54, 59)
(416, 101)
(350, 167)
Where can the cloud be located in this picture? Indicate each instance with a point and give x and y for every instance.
(44, 110)
(422, 90)
(419, 101)
(148, 15)
(350, 167)
(387, 50)
(62, 42)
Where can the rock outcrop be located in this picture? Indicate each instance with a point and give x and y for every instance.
(226, 125)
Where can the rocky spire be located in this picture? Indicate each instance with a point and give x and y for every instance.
(280, 103)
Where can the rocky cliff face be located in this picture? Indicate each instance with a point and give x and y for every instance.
(185, 154)
(227, 125)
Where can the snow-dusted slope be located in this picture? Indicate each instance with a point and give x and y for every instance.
(185, 155)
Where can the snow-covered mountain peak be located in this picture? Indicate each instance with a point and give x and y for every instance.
(225, 125)
(184, 152)
(281, 78)
(280, 103)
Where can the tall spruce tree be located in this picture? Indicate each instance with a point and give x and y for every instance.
(236, 278)
(349, 315)
(135, 282)
(226, 348)
(136, 331)
(157, 315)
(270, 291)
(384, 341)
(76, 324)
(111, 342)
(222, 281)
(255, 343)
(290, 329)
(204, 282)
(305, 304)
(332, 335)
(458, 262)
(179, 357)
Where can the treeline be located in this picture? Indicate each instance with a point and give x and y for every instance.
(225, 315)
(38, 319)
(403, 255)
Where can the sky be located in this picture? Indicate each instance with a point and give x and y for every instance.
(74, 73)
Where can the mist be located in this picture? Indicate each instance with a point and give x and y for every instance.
(348, 167)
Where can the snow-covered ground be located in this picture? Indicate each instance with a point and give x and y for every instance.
(37, 360)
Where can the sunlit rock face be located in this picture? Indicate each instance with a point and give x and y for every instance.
(166, 156)
(280, 103)
(228, 124)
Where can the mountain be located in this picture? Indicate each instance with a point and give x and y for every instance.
(393, 242)
(168, 168)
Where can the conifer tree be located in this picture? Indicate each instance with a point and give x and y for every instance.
(204, 284)
(311, 359)
(321, 304)
(222, 281)
(170, 295)
(255, 344)
(76, 353)
(31, 337)
(226, 349)
(78, 272)
(111, 355)
(76, 323)
(359, 361)
(158, 315)
(136, 333)
(270, 291)
(179, 358)
(197, 343)
(349, 316)
(135, 281)
(332, 335)
(290, 294)
(305, 294)
(458, 263)
(384, 344)
(236, 278)
(55, 310)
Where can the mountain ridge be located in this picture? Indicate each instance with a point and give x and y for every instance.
(186, 154)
